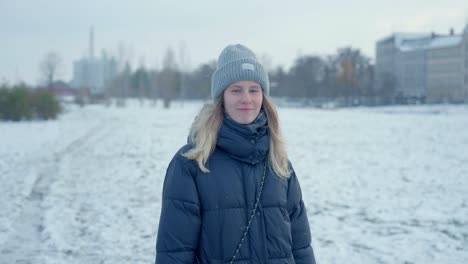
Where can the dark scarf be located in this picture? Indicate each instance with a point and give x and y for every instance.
(248, 143)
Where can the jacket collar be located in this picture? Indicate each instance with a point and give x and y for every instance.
(248, 143)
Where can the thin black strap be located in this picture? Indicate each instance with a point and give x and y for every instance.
(252, 214)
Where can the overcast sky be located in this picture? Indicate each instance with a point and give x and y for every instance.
(279, 29)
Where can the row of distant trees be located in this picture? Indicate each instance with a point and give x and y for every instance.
(346, 74)
(168, 83)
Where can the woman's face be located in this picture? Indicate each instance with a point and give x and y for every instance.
(243, 101)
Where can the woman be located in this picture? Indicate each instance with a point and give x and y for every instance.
(230, 195)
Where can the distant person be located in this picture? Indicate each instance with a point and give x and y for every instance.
(230, 195)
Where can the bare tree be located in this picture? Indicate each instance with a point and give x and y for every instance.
(50, 67)
(354, 73)
(169, 78)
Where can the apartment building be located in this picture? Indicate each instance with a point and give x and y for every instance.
(427, 66)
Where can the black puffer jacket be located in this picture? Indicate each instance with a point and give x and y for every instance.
(204, 215)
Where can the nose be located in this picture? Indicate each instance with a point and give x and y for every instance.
(246, 98)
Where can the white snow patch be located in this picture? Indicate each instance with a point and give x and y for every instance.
(381, 185)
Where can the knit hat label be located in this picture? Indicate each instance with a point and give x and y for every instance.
(248, 66)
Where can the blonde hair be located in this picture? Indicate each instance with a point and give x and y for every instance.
(204, 133)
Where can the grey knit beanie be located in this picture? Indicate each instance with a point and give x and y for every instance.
(237, 63)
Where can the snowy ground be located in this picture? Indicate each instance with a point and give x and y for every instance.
(382, 185)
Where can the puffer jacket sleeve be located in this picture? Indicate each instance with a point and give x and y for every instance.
(179, 224)
(300, 230)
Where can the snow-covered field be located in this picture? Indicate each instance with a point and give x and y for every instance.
(382, 185)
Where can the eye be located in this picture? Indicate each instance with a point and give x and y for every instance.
(235, 90)
(255, 90)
